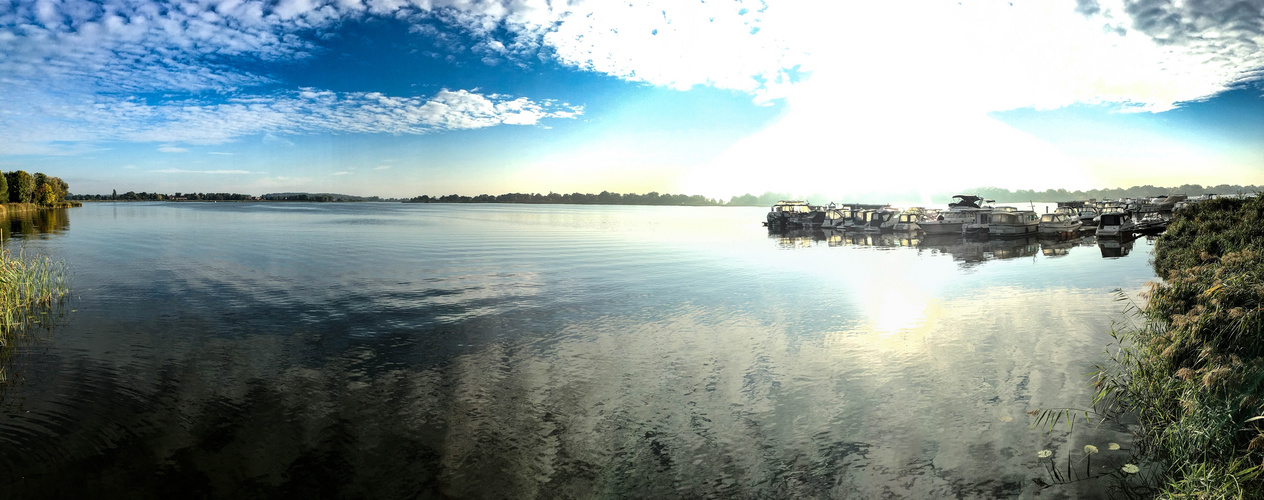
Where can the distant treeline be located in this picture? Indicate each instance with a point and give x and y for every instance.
(317, 197)
(1055, 195)
(40, 189)
(603, 198)
(1002, 195)
(143, 196)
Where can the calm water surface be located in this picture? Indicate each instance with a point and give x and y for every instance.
(506, 351)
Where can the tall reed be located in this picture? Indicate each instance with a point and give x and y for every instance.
(28, 287)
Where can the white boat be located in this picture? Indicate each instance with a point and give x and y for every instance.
(952, 220)
(983, 218)
(1114, 224)
(909, 221)
(780, 215)
(1163, 203)
(1087, 216)
(1059, 223)
(881, 220)
(1015, 223)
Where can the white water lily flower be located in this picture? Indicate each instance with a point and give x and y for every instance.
(1090, 449)
(1044, 453)
(1131, 469)
(1113, 446)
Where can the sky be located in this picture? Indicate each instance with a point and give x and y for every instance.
(399, 98)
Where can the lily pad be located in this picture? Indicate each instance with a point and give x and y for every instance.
(1131, 469)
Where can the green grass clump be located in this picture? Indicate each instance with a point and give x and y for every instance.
(29, 287)
(1193, 371)
(32, 296)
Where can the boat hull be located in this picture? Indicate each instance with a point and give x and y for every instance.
(1006, 230)
(936, 227)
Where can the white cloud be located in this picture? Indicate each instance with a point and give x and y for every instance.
(307, 111)
(382, 167)
(341, 172)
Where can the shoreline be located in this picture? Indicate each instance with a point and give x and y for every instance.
(1193, 369)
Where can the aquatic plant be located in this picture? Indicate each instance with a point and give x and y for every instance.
(32, 298)
(28, 286)
(1192, 367)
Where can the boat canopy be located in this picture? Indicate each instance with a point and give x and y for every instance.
(967, 201)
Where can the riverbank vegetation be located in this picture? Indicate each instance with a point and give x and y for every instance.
(31, 291)
(19, 188)
(1193, 369)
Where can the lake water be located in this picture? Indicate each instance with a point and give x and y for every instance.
(509, 351)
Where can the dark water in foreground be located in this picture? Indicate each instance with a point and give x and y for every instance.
(398, 351)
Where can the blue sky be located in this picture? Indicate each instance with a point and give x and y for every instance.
(410, 97)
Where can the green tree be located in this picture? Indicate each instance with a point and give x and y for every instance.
(44, 195)
(21, 186)
(4, 188)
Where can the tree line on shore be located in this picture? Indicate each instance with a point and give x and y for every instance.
(769, 198)
(1003, 195)
(603, 198)
(40, 189)
(144, 196)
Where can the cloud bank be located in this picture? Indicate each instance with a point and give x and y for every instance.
(195, 71)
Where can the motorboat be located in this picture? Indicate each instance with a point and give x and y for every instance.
(1086, 216)
(983, 218)
(880, 220)
(1014, 223)
(780, 215)
(836, 217)
(1165, 203)
(1059, 223)
(952, 220)
(909, 221)
(1114, 225)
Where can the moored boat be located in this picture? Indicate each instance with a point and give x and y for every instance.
(1014, 223)
(1114, 224)
(781, 214)
(952, 220)
(1059, 223)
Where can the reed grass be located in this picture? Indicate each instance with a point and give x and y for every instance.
(33, 293)
(28, 289)
(1192, 366)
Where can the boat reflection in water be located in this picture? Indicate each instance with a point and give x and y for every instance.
(799, 238)
(1115, 247)
(968, 250)
(973, 250)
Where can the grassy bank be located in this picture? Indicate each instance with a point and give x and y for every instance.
(1193, 369)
